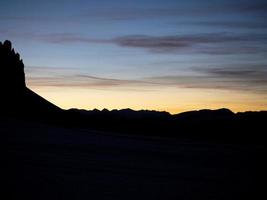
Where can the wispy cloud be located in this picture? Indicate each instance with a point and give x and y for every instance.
(213, 43)
(210, 43)
(62, 77)
(204, 43)
(255, 75)
(252, 79)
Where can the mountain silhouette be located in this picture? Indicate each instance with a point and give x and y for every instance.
(16, 97)
(206, 114)
(17, 100)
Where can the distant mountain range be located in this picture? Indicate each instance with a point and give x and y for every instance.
(19, 101)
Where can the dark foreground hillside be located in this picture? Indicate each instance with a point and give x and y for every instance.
(50, 153)
(49, 162)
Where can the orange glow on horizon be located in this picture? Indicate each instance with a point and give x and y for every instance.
(173, 100)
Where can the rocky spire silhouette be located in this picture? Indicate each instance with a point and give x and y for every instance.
(15, 97)
(12, 77)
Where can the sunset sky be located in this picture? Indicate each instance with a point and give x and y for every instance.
(173, 55)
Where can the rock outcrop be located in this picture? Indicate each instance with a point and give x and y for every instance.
(12, 69)
(15, 97)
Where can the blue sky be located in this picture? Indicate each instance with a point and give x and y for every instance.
(214, 51)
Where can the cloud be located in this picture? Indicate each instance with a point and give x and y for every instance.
(212, 43)
(202, 43)
(240, 77)
(65, 77)
(251, 78)
(212, 82)
(254, 75)
(75, 80)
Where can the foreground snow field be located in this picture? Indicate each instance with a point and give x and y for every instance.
(49, 162)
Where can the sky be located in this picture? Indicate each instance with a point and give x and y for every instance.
(145, 54)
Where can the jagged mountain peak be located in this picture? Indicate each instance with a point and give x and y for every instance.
(16, 98)
(11, 69)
